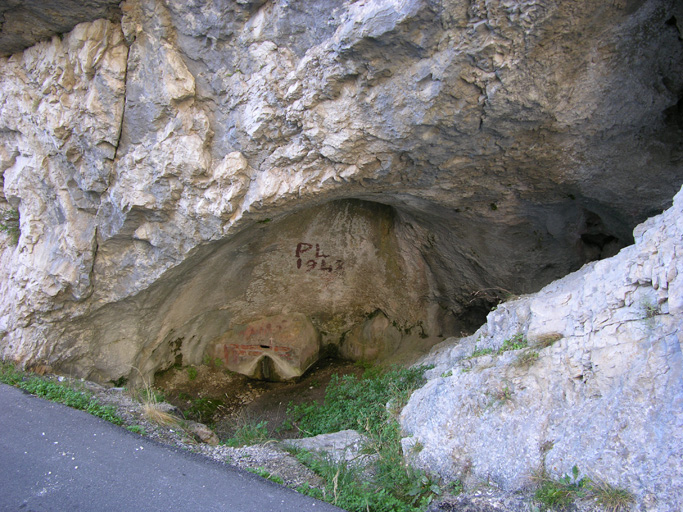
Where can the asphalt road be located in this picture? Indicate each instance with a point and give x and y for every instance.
(53, 458)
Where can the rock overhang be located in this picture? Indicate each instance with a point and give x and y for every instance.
(502, 142)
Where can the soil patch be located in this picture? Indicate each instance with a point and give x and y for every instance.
(226, 400)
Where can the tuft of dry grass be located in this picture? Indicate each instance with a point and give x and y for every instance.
(154, 414)
(150, 405)
(547, 340)
(612, 498)
(526, 359)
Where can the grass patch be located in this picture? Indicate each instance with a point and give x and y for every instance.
(263, 473)
(360, 403)
(561, 492)
(248, 434)
(137, 429)
(57, 392)
(564, 491)
(612, 498)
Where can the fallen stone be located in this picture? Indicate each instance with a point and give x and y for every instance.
(346, 446)
(202, 432)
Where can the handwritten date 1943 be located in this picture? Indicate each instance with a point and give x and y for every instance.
(319, 261)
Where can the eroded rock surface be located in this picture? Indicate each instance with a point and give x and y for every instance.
(161, 165)
(600, 385)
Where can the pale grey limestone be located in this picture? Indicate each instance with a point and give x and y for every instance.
(605, 394)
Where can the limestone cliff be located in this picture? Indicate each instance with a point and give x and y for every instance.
(169, 161)
(587, 372)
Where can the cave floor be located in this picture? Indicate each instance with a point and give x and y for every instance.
(226, 400)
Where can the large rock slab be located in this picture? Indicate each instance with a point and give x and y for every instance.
(599, 386)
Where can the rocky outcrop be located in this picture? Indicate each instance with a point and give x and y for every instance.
(587, 372)
(166, 167)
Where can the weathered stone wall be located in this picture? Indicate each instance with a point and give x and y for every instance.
(511, 142)
(601, 386)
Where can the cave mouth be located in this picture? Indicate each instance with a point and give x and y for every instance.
(379, 279)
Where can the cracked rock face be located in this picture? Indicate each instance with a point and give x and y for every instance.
(595, 381)
(487, 148)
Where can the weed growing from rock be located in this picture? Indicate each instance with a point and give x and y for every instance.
(612, 498)
(562, 492)
(517, 342)
(547, 340)
(526, 359)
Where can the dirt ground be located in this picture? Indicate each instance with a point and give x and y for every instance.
(226, 400)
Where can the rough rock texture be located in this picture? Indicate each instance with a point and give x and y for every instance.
(345, 446)
(502, 143)
(23, 23)
(600, 385)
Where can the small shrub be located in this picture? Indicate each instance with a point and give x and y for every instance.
(650, 309)
(192, 372)
(500, 395)
(447, 374)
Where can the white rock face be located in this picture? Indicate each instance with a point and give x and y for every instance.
(600, 386)
(506, 142)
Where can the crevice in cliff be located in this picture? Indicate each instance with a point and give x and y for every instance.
(123, 112)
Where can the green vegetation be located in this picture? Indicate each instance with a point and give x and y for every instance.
(499, 396)
(57, 392)
(564, 491)
(203, 409)
(263, 473)
(248, 434)
(137, 429)
(9, 223)
(361, 403)
(480, 352)
(650, 309)
(517, 342)
(612, 498)
(192, 372)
